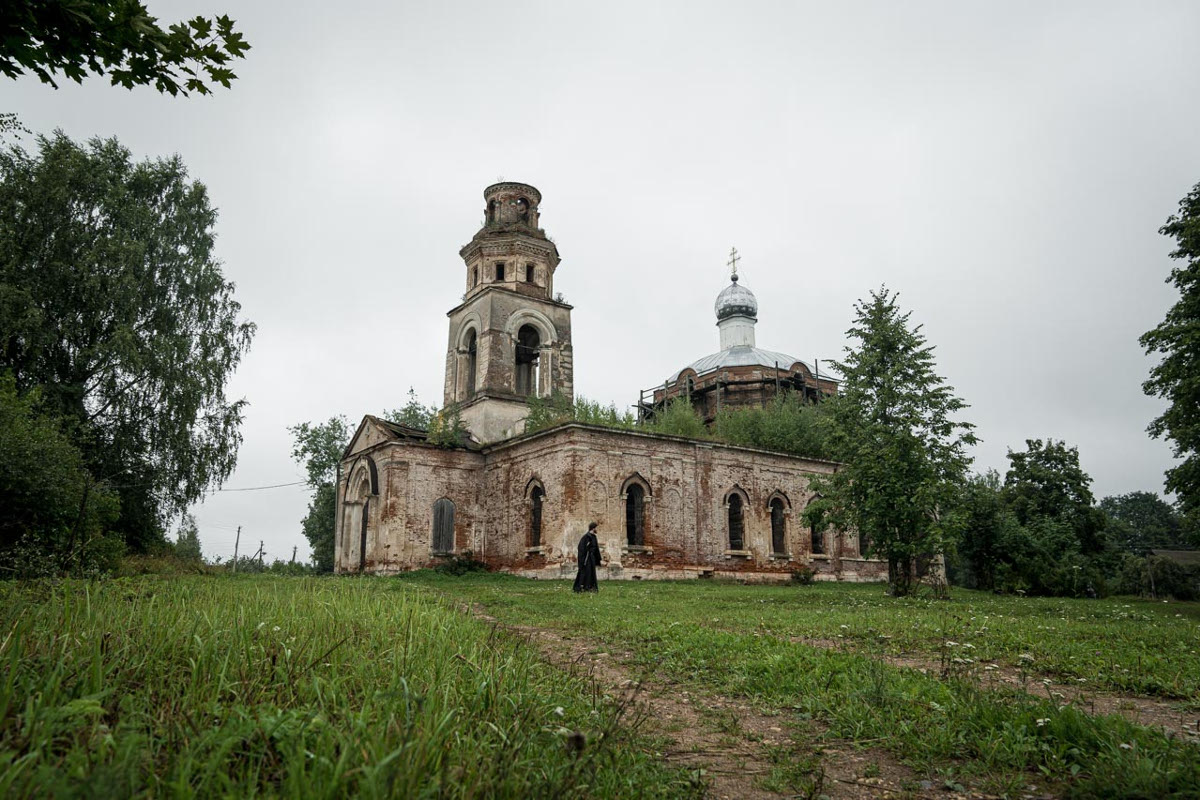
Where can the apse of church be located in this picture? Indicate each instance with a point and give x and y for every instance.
(668, 507)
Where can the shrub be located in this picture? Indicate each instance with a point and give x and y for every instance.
(462, 564)
(290, 568)
(54, 517)
(805, 576)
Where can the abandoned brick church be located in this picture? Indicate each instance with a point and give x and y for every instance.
(668, 507)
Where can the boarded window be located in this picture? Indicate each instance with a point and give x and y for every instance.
(535, 516)
(443, 526)
(635, 515)
(737, 523)
(778, 527)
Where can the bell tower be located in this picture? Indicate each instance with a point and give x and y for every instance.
(510, 338)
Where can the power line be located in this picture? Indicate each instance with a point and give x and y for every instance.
(260, 488)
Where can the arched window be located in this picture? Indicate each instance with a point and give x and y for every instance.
(472, 362)
(635, 515)
(443, 526)
(737, 522)
(535, 516)
(528, 348)
(778, 527)
(818, 540)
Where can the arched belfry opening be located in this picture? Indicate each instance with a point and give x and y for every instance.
(529, 344)
(471, 345)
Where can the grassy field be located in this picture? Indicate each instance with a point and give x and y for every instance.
(225, 686)
(742, 641)
(257, 685)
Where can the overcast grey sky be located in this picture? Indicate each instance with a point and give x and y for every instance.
(1004, 166)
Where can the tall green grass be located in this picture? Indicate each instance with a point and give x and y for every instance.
(738, 641)
(224, 686)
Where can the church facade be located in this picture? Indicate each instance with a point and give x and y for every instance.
(667, 507)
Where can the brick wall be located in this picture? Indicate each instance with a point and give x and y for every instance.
(584, 471)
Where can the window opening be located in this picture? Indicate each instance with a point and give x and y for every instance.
(737, 523)
(500, 271)
(528, 348)
(472, 361)
(635, 515)
(535, 516)
(474, 276)
(818, 541)
(443, 526)
(778, 527)
(529, 273)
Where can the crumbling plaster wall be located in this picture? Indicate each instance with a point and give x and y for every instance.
(412, 477)
(583, 471)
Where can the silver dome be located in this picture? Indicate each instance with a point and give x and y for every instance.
(736, 300)
(740, 356)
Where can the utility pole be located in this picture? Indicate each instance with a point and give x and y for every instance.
(293, 554)
(260, 552)
(235, 547)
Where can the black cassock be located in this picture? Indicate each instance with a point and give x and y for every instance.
(589, 559)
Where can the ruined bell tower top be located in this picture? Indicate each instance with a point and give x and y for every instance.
(511, 205)
(511, 251)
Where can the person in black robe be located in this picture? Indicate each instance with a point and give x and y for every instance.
(589, 559)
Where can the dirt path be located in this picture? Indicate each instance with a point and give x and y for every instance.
(1136, 708)
(733, 746)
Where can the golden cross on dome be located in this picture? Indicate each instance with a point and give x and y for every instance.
(733, 259)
